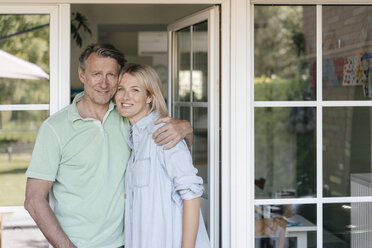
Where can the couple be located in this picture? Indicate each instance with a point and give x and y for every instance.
(81, 153)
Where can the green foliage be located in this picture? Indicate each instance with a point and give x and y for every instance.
(12, 179)
(79, 21)
(275, 88)
(285, 154)
(33, 46)
(279, 42)
(283, 157)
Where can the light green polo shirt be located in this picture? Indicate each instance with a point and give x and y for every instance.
(86, 161)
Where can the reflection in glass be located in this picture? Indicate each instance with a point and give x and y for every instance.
(347, 225)
(200, 145)
(200, 154)
(200, 62)
(24, 59)
(347, 50)
(284, 53)
(285, 154)
(18, 130)
(182, 113)
(183, 82)
(347, 162)
(285, 226)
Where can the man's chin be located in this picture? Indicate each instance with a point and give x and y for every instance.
(102, 101)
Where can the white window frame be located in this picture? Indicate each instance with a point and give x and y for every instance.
(319, 104)
(59, 92)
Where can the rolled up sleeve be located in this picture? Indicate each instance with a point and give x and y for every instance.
(179, 167)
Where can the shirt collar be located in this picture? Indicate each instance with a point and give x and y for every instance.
(146, 122)
(74, 115)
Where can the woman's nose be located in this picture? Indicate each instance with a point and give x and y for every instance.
(126, 95)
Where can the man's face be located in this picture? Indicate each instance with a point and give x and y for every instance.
(100, 79)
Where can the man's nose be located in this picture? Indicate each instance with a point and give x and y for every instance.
(104, 82)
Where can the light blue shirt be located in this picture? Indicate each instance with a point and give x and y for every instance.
(156, 183)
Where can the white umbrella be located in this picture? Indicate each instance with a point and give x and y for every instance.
(14, 67)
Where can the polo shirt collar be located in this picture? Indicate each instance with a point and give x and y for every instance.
(73, 114)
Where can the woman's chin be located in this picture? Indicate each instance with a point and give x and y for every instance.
(124, 114)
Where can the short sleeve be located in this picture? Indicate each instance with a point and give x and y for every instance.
(46, 155)
(179, 167)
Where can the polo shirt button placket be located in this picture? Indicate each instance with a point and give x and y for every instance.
(100, 125)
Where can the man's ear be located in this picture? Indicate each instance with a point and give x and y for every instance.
(81, 75)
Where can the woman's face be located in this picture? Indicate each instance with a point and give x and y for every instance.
(132, 99)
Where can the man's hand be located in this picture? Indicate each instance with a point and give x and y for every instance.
(173, 131)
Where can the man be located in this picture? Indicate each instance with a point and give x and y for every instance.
(81, 153)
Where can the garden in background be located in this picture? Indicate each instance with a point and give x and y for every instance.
(26, 37)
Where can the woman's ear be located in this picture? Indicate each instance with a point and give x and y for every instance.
(149, 99)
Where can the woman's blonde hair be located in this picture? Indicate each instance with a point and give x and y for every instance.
(150, 80)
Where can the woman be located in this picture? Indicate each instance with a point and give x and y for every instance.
(162, 207)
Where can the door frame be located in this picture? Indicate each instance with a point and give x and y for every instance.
(212, 15)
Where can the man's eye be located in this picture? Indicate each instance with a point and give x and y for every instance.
(120, 89)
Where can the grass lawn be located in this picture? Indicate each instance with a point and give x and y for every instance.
(12, 179)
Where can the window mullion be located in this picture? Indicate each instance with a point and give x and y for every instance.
(319, 125)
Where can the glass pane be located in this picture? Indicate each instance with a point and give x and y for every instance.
(200, 154)
(200, 62)
(284, 53)
(183, 82)
(285, 226)
(347, 225)
(182, 113)
(285, 153)
(18, 131)
(347, 164)
(347, 53)
(24, 59)
(200, 145)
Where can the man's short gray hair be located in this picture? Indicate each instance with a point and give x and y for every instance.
(104, 51)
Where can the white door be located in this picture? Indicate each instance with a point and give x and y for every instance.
(194, 95)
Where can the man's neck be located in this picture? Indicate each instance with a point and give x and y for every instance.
(88, 109)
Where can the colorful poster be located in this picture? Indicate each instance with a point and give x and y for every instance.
(356, 70)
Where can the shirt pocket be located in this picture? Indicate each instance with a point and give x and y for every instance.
(141, 172)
